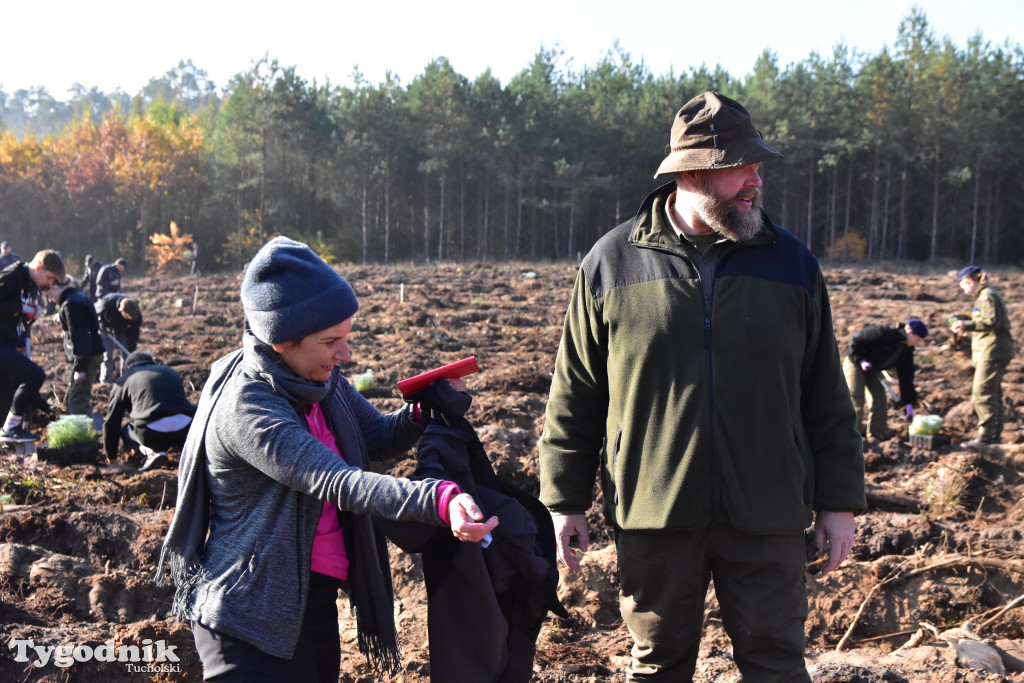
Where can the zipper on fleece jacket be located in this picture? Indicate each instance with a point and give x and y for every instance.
(707, 301)
(707, 265)
(705, 269)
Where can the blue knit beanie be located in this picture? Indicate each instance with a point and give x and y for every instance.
(289, 292)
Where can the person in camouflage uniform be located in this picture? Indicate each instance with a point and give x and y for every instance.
(992, 349)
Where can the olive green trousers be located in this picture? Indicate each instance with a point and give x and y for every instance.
(760, 585)
(867, 384)
(987, 392)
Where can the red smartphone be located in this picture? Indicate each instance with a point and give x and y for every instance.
(460, 368)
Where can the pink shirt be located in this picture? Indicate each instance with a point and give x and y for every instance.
(328, 543)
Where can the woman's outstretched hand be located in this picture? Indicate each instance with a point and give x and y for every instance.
(466, 516)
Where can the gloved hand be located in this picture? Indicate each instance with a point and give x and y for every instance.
(80, 377)
(42, 407)
(865, 365)
(910, 411)
(31, 310)
(441, 398)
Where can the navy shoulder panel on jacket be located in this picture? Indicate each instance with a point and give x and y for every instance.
(616, 262)
(789, 262)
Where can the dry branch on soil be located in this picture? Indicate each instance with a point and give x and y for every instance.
(954, 562)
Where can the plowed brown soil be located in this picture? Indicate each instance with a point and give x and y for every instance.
(941, 542)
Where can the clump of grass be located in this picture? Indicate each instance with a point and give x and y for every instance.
(928, 359)
(70, 430)
(364, 382)
(945, 491)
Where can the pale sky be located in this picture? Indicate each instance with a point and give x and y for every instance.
(123, 43)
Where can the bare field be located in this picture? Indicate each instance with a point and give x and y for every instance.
(941, 542)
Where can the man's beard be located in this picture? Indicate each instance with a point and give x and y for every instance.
(723, 216)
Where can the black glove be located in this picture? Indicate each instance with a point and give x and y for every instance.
(39, 403)
(440, 399)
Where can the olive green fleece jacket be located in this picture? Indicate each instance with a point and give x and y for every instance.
(704, 389)
(990, 324)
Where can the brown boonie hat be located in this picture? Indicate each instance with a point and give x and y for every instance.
(713, 131)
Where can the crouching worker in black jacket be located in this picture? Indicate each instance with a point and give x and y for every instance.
(158, 411)
(872, 350)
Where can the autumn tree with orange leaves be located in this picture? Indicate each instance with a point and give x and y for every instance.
(169, 254)
(102, 189)
(887, 156)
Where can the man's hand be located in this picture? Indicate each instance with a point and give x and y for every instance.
(465, 518)
(957, 327)
(838, 529)
(567, 526)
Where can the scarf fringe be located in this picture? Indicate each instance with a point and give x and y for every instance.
(384, 659)
(186, 576)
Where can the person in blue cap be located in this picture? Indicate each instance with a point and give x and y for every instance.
(992, 349)
(872, 350)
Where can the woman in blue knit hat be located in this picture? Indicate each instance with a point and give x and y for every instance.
(275, 495)
(992, 349)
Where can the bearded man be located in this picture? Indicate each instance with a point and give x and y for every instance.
(699, 375)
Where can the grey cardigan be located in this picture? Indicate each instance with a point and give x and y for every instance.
(254, 476)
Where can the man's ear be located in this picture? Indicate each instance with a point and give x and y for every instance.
(689, 180)
(278, 347)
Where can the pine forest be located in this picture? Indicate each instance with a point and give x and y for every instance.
(912, 154)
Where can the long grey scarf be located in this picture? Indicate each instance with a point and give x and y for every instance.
(371, 593)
